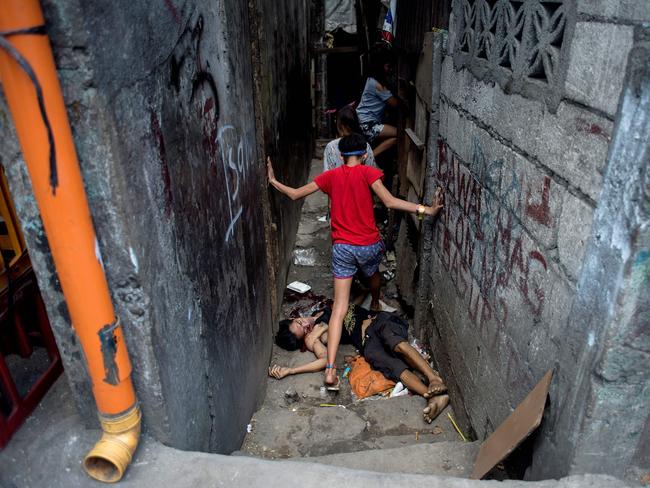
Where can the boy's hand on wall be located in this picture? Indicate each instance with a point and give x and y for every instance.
(269, 170)
(438, 202)
(439, 198)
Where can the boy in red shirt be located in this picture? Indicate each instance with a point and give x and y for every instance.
(356, 242)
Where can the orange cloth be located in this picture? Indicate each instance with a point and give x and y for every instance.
(365, 381)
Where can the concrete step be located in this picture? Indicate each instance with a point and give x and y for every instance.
(440, 458)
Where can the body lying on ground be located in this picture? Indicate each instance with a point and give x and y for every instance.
(382, 339)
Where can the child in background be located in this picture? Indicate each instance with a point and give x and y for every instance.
(356, 242)
(376, 96)
(346, 123)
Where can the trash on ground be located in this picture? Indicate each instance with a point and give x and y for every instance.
(299, 286)
(437, 430)
(399, 390)
(323, 218)
(453, 422)
(421, 348)
(291, 396)
(390, 256)
(346, 372)
(332, 405)
(384, 306)
(388, 275)
(249, 428)
(323, 392)
(304, 256)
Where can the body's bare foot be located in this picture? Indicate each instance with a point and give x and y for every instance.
(436, 386)
(435, 406)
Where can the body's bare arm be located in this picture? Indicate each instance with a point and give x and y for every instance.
(319, 350)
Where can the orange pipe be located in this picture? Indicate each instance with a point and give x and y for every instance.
(64, 209)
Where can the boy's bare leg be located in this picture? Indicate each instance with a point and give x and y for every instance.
(417, 362)
(384, 146)
(435, 404)
(388, 138)
(339, 309)
(375, 287)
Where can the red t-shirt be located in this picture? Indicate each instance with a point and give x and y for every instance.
(353, 219)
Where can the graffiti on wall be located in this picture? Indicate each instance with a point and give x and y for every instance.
(235, 156)
(484, 245)
(224, 149)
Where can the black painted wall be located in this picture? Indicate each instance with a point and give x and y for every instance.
(162, 101)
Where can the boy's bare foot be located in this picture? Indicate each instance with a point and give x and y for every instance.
(330, 377)
(435, 406)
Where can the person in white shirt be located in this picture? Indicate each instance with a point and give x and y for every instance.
(346, 124)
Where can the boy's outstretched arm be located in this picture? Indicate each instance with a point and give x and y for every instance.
(293, 193)
(398, 204)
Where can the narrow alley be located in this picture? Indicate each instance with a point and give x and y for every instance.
(296, 420)
(359, 243)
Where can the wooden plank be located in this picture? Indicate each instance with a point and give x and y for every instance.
(415, 139)
(336, 50)
(512, 432)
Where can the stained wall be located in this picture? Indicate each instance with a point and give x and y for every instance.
(165, 115)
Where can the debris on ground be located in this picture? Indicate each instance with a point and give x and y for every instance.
(453, 422)
(306, 304)
(298, 287)
(384, 306)
(291, 396)
(399, 390)
(304, 257)
(421, 348)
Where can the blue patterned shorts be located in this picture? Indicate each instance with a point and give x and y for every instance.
(347, 259)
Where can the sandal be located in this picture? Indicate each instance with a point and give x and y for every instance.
(334, 386)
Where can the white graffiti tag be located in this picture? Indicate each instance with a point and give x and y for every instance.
(236, 162)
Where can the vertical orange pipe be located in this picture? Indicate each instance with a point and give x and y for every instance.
(66, 216)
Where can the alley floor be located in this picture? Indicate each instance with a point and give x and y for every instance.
(297, 420)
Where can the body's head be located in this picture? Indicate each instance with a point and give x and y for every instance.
(353, 148)
(347, 122)
(292, 332)
(382, 63)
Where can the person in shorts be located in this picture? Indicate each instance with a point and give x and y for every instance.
(375, 98)
(357, 244)
(381, 338)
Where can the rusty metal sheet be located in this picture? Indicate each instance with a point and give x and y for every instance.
(512, 432)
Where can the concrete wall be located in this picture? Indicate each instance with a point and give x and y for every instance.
(527, 155)
(165, 117)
